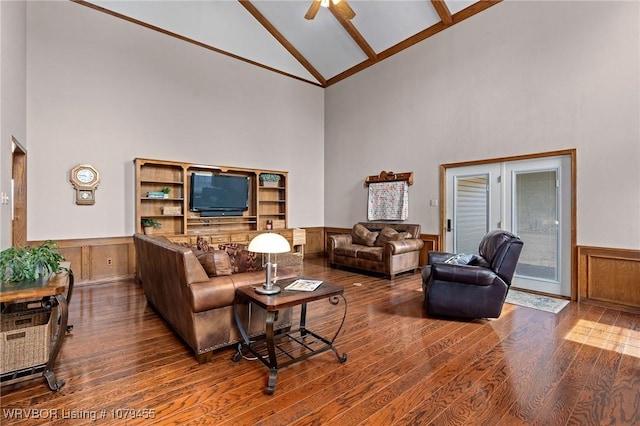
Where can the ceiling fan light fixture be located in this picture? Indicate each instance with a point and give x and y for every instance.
(341, 7)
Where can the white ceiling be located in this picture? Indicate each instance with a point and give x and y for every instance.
(274, 33)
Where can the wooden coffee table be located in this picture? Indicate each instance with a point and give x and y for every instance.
(283, 349)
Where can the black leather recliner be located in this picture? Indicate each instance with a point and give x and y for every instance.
(476, 289)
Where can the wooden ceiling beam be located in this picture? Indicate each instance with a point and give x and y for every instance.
(458, 17)
(192, 41)
(282, 40)
(443, 10)
(353, 32)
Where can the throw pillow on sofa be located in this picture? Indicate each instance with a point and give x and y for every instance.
(241, 259)
(202, 245)
(461, 259)
(361, 235)
(215, 263)
(389, 234)
(248, 261)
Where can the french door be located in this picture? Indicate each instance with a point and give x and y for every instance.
(530, 198)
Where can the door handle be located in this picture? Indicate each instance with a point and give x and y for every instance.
(448, 225)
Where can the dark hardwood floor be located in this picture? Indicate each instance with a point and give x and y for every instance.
(121, 360)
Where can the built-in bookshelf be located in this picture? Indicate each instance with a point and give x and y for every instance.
(267, 203)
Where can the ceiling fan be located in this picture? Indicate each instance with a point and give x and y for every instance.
(341, 6)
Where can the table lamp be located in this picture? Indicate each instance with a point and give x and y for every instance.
(269, 243)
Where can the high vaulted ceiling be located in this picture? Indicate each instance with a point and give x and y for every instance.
(274, 34)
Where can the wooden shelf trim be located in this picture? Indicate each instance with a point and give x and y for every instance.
(389, 177)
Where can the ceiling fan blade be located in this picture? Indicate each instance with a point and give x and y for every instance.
(313, 10)
(345, 9)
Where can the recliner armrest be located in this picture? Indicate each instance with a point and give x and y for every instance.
(464, 274)
(438, 256)
(405, 246)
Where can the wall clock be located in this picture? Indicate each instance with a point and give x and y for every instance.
(85, 179)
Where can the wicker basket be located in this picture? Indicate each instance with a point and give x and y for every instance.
(25, 339)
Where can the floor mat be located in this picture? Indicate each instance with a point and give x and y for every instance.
(536, 301)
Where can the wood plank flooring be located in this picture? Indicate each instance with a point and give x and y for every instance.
(123, 365)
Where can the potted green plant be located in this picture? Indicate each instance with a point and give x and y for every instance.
(30, 263)
(166, 191)
(149, 224)
(270, 179)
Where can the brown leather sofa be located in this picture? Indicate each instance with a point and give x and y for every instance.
(199, 308)
(378, 247)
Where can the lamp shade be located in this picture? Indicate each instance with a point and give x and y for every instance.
(269, 243)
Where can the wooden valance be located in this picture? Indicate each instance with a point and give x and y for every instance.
(389, 177)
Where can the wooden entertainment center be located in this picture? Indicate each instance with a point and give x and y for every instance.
(267, 203)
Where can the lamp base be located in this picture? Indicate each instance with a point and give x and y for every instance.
(264, 290)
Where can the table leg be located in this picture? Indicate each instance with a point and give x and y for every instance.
(271, 384)
(334, 301)
(49, 375)
(271, 349)
(303, 319)
(69, 293)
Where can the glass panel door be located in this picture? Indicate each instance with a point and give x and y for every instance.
(535, 220)
(539, 211)
(530, 198)
(473, 207)
(471, 212)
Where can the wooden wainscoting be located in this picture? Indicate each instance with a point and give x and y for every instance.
(609, 275)
(314, 246)
(95, 260)
(98, 259)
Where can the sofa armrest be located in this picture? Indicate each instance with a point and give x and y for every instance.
(217, 292)
(464, 274)
(339, 240)
(220, 291)
(405, 246)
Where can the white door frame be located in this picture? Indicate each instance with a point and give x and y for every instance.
(570, 152)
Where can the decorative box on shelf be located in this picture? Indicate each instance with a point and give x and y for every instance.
(157, 194)
(171, 210)
(278, 224)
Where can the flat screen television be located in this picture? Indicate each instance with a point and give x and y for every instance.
(219, 195)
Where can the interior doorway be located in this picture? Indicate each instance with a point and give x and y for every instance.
(532, 197)
(18, 194)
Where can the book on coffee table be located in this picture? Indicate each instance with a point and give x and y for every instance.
(304, 285)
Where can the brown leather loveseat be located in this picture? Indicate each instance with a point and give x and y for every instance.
(198, 307)
(380, 247)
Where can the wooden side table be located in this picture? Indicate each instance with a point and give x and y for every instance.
(299, 240)
(48, 294)
(277, 351)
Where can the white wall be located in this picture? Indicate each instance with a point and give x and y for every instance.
(518, 78)
(13, 36)
(104, 91)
